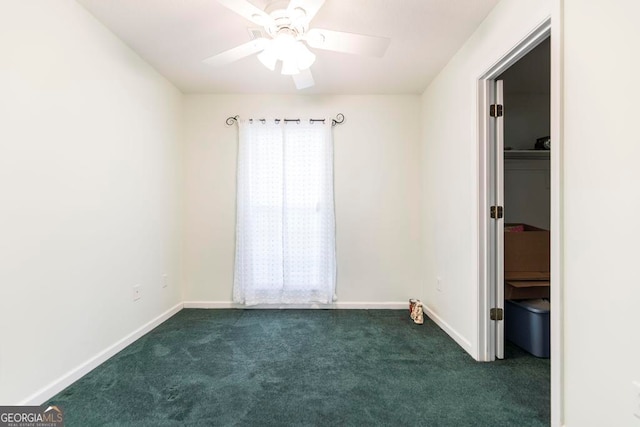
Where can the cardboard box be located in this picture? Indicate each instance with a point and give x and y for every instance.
(526, 289)
(526, 252)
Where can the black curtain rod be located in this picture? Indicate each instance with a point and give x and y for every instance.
(337, 121)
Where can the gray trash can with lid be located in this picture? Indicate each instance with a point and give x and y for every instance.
(527, 325)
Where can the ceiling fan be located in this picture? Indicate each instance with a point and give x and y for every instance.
(288, 36)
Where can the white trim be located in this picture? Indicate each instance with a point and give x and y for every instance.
(355, 305)
(557, 220)
(341, 305)
(55, 387)
(551, 26)
(457, 337)
(536, 36)
(485, 298)
(209, 304)
(486, 292)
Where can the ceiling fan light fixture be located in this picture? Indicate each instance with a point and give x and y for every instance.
(295, 56)
(286, 37)
(283, 44)
(304, 57)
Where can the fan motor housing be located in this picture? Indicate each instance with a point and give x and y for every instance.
(285, 20)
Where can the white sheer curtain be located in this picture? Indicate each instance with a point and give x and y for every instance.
(285, 223)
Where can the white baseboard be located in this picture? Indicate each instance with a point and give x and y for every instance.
(337, 305)
(462, 342)
(50, 390)
(355, 305)
(210, 304)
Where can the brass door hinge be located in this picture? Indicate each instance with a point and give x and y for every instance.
(496, 212)
(496, 314)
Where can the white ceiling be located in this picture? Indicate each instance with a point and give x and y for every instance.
(174, 36)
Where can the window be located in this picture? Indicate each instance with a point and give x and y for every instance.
(285, 228)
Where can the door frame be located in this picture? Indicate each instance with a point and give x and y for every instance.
(486, 96)
(486, 284)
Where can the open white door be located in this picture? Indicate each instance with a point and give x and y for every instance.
(497, 217)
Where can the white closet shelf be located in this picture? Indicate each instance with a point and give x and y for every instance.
(527, 154)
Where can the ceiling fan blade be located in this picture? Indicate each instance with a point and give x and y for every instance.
(248, 11)
(238, 52)
(339, 41)
(304, 79)
(310, 7)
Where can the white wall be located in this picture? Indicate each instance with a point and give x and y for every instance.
(601, 179)
(89, 188)
(450, 168)
(377, 187)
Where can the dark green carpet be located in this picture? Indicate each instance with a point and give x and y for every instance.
(306, 367)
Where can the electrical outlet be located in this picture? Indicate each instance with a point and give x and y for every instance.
(439, 283)
(137, 292)
(636, 399)
(165, 280)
